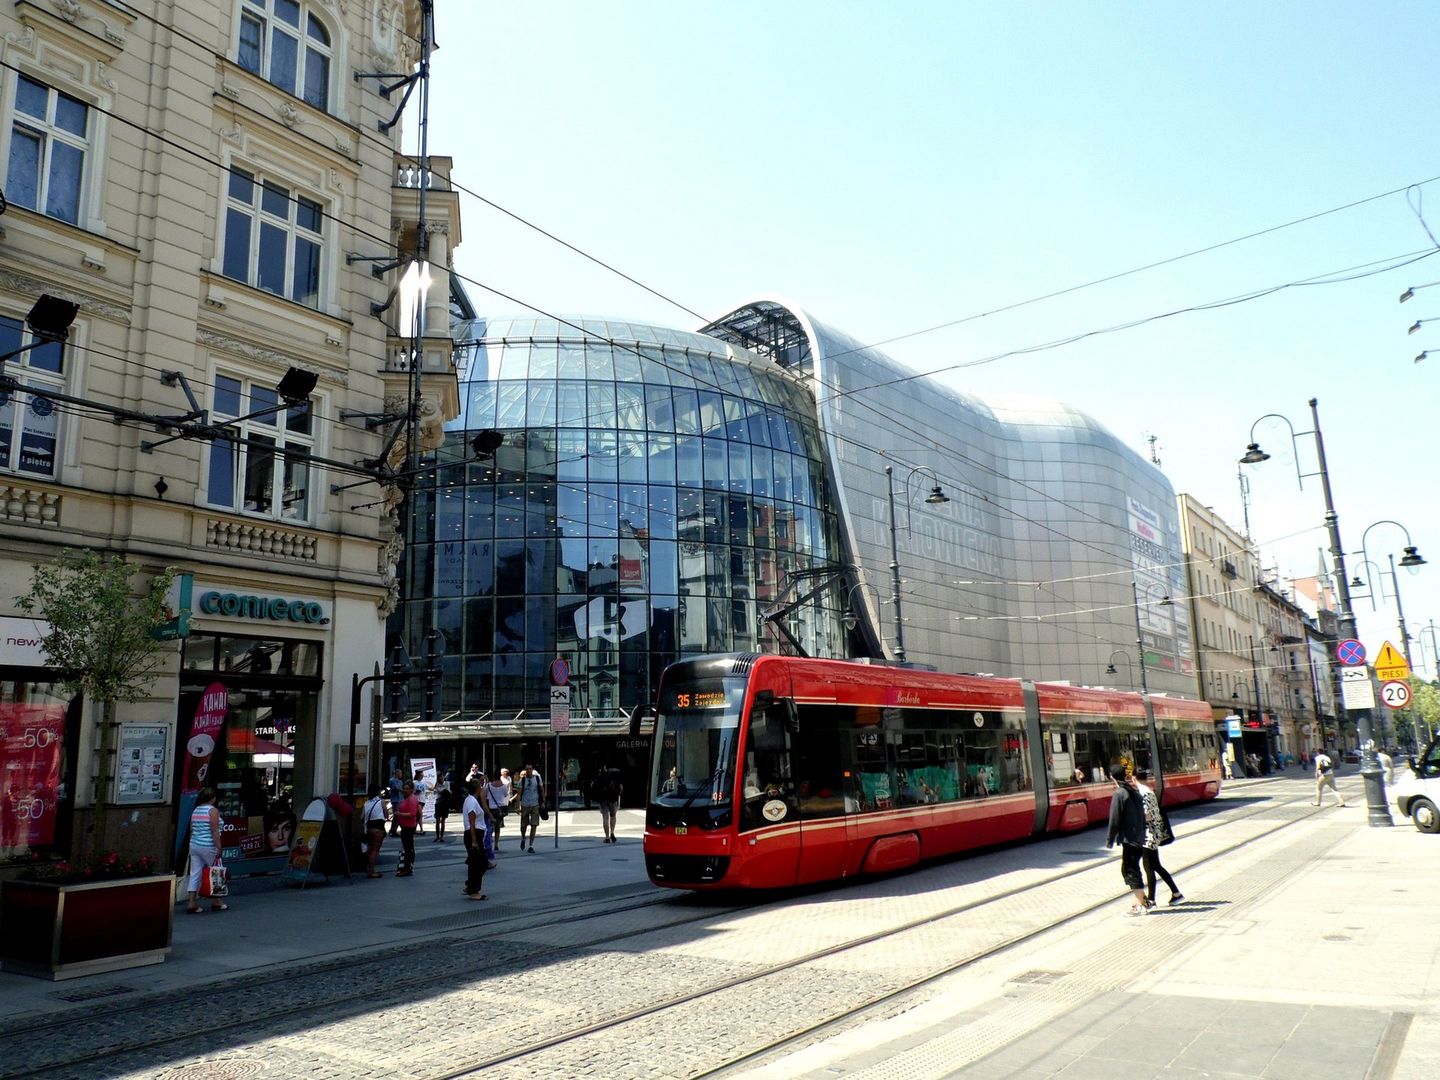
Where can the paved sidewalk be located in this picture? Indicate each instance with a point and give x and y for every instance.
(274, 924)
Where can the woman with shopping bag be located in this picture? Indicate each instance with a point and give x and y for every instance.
(205, 853)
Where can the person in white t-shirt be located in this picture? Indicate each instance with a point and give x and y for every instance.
(1325, 777)
(475, 824)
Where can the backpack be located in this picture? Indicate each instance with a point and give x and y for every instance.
(604, 787)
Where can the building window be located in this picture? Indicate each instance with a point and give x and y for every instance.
(49, 139)
(29, 421)
(272, 238)
(283, 42)
(265, 470)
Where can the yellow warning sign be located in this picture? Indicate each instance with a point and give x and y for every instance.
(1390, 664)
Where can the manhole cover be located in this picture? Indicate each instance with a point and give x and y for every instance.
(215, 1069)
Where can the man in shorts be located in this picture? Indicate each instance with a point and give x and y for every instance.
(531, 786)
(606, 792)
(1325, 777)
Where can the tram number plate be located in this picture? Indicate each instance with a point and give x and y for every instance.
(681, 830)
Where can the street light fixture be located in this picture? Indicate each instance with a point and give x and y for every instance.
(1164, 601)
(1110, 668)
(1379, 813)
(935, 497)
(1412, 561)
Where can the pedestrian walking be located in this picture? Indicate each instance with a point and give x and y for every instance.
(495, 796)
(532, 798)
(605, 791)
(1157, 834)
(204, 847)
(444, 799)
(406, 815)
(1325, 777)
(1229, 770)
(472, 818)
(509, 783)
(397, 786)
(1127, 825)
(422, 789)
(374, 817)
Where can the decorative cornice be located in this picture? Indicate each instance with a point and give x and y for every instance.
(25, 285)
(250, 351)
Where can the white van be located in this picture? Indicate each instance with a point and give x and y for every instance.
(1416, 791)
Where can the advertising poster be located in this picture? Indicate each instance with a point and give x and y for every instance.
(33, 737)
(307, 839)
(426, 767)
(206, 730)
(140, 768)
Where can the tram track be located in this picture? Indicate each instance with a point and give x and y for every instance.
(610, 1024)
(109, 1045)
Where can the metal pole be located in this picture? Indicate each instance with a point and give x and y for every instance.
(1259, 704)
(895, 567)
(1404, 635)
(1370, 772)
(1139, 637)
(555, 789)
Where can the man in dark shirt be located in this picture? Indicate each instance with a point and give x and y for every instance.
(1127, 825)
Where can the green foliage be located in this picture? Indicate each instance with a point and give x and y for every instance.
(1425, 703)
(99, 634)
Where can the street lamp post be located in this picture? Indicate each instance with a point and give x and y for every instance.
(1164, 601)
(1110, 668)
(935, 497)
(1379, 813)
(1411, 560)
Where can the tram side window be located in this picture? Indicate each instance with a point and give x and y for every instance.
(1169, 752)
(927, 762)
(820, 759)
(1060, 758)
(873, 783)
(1135, 749)
(767, 766)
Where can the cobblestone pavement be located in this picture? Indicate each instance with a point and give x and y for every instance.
(461, 998)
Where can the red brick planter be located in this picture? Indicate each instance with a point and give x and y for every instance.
(61, 931)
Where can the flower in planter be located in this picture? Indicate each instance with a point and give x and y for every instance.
(109, 866)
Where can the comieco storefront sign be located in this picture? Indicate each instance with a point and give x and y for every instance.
(274, 609)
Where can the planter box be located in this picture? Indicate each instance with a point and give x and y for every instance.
(61, 931)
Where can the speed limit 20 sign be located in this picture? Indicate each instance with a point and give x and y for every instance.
(1395, 694)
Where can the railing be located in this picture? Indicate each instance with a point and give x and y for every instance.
(30, 506)
(410, 174)
(260, 539)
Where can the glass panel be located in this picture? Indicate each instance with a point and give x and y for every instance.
(259, 474)
(714, 450)
(264, 398)
(662, 513)
(305, 279)
(541, 410)
(237, 245)
(481, 413)
(49, 357)
(288, 10)
(248, 54)
(602, 405)
(542, 362)
(71, 115)
(659, 409)
(295, 496)
(316, 30)
(687, 460)
(627, 366)
(31, 97)
(687, 412)
(270, 273)
(632, 457)
(510, 510)
(570, 408)
(603, 463)
(275, 200)
(227, 396)
(297, 418)
(284, 53)
(22, 183)
(308, 213)
(221, 487)
(510, 405)
(598, 364)
(629, 407)
(38, 425)
(602, 509)
(479, 568)
(242, 187)
(571, 362)
(510, 567)
(739, 466)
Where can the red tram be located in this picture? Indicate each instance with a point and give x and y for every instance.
(770, 771)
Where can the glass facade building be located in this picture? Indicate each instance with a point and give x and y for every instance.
(656, 491)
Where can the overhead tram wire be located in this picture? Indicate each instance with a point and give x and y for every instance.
(386, 242)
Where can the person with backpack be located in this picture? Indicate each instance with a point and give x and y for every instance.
(1325, 777)
(444, 801)
(496, 799)
(605, 791)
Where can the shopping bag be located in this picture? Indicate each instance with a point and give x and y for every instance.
(215, 881)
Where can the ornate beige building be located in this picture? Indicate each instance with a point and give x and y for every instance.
(226, 203)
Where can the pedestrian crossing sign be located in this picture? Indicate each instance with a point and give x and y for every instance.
(1390, 664)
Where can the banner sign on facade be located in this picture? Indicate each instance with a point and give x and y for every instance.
(207, 730)
(33, 738)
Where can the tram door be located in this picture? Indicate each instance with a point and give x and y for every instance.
(768, 792)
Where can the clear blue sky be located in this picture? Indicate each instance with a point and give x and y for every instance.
(893, 166)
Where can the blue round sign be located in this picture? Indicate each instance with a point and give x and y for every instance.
(1350, 653)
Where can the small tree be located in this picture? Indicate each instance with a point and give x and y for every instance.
(100, 640)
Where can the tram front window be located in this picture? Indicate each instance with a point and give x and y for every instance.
(697, 727)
